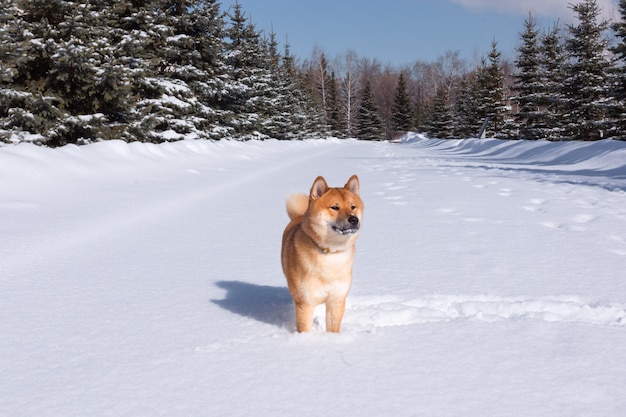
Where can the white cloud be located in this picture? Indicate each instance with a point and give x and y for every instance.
(539, 8)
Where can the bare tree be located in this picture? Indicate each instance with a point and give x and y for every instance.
(452, 68)
(422, 87)
(423, 80)
(321, 77)
(349, 88)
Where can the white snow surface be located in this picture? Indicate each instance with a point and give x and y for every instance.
(145, 280)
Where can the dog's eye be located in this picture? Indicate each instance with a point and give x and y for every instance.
(353, 207)
(335, 207)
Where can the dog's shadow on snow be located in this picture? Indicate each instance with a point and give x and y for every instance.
(272, 305)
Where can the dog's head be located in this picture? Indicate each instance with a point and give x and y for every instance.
(336, 213)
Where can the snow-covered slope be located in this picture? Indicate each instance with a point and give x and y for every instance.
(144, 280)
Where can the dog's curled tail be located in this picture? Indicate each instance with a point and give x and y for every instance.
(297, 205)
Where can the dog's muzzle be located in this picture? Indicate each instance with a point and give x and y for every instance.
(348, 228)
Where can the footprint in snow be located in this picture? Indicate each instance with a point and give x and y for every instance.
(583, 218)
(535, 205)
(449, 211)
(395, 311)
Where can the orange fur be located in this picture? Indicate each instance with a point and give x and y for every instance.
(318, 250)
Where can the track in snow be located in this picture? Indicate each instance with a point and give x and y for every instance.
(273, 305)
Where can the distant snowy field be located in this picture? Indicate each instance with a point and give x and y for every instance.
(144, 280)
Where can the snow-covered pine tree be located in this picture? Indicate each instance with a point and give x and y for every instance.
(285, 113)
(8, 40)
(441, 122)
(181, 75)
(619, 28)
(24, 115)
(553, 59)
(369, 123)
(84, 76)
(587, 86)
(82, 89)
(465, 118)
(8, 44)
(250, 78)
(207, 83)
(149, 70)
(480, 93)
(274, 118)
(528, 84)
(307, 118)
(135, 40)
(52, 65)
(402, 111)
(491, 87)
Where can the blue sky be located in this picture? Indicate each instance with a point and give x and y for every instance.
(401, 32)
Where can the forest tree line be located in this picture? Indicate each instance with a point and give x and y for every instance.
(565, 83)
(163, 70)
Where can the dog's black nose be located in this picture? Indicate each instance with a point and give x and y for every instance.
(353, 220)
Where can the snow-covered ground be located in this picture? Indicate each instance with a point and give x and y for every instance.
(144, 280)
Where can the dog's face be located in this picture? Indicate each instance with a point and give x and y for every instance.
(336, 213)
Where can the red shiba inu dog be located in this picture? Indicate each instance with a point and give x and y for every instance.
(318, 250)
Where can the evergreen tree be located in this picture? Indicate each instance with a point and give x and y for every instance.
(285, 113)
(181, 64)
(249, 79)
(528, 84)
(491, 84)
(402, 111)
(271, 102)
(135, 41)
(552, 75)
(619, 28)
(441, 121)
(306, 116)
(481, 94)
(150, 70)
(334, 113)
(588, 97)
(465, 116)
(59, 47)
(19, 117)
(50, 65)
(264, 98)
(100, 69)
(369, 123)
(420, 116)
(8, 40)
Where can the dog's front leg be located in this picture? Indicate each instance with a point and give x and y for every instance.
(304, 317)
(334, 314)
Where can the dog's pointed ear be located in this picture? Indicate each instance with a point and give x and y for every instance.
(353, 185)
(319, 188)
